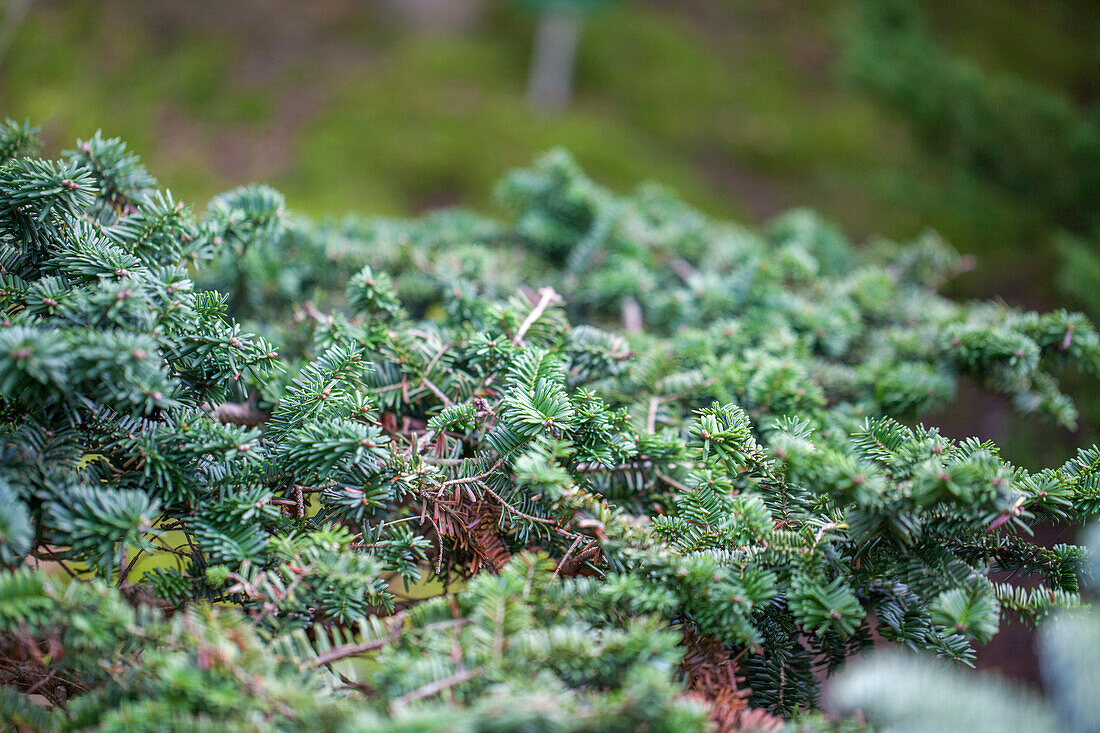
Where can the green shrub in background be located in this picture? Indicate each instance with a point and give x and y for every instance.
(1028, 139)
(652, 462)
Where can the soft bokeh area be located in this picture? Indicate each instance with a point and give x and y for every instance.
(746, 107)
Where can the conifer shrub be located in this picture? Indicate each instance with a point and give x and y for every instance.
(604, 464)
(904, 693)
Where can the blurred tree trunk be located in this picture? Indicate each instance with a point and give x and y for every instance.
(555, 53)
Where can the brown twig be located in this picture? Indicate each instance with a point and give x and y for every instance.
(434, 688)
(313, 489)
(350, 650)
(632, 316)
(437, 392)
(309, 310)
(238, 413)
(561, 563)
(515, 511)
(683, 269)
(547, 296)
(672, 482)
(651, 419)
(462, 481)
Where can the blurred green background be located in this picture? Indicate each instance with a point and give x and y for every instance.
(745, 107)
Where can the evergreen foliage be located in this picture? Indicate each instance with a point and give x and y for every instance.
(895, 691)
(673, 514)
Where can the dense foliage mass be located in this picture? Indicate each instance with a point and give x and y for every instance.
(674, 513)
